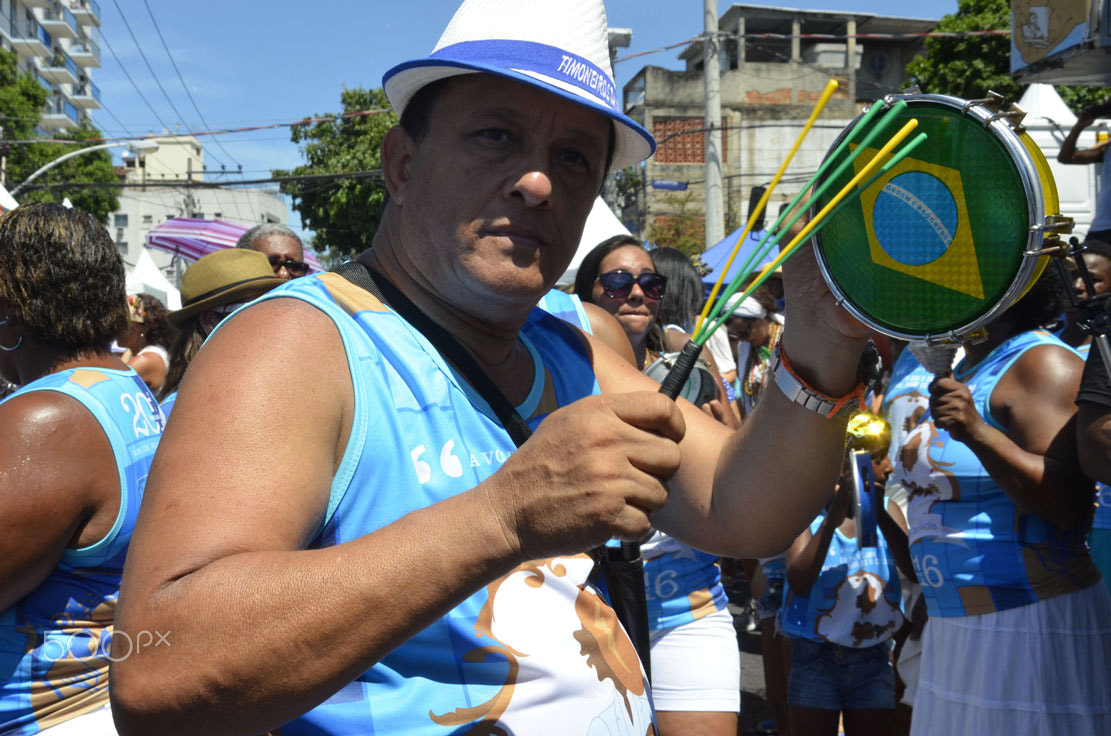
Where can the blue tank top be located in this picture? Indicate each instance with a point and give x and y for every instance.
(1102, 518)
(681, 583)
(855, 602)
(167, 404)
(973, 552)
(54, 643)
(537, 651)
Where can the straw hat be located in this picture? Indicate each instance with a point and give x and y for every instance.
(221, 278)
(560, 46)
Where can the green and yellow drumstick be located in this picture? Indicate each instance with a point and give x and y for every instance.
(830, 88)
(776, 233)
(841, 199)
(684, 363)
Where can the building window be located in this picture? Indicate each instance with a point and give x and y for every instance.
(217, 215)
(120, 220)
(148, 219)
(121, 247)
(682, 141)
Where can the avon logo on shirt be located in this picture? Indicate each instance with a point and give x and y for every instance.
(450, 462)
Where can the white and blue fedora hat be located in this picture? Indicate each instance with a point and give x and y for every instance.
(559, 46)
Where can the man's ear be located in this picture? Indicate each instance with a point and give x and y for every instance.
(397, 156)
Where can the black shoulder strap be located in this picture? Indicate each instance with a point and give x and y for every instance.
(621, 567)
(358, 274)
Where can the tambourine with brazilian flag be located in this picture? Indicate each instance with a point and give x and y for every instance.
(953, 235)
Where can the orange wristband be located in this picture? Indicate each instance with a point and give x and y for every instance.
(798, 391)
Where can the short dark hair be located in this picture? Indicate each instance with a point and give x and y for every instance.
(1098, 248)
(418, 114)
(588, 267)
(1042, 304)
(61, 272)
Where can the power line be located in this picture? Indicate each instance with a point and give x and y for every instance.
(137, 90)
(374, 174)
(122, 126)
(822, 37)
(182, 80)
(151, 68)
(197, 133)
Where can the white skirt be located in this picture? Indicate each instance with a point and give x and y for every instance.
(697, 666)
(1043, 669)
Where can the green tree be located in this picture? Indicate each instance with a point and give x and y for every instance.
(89, 168)
(21, 104)
(969, 66)
(342, 213)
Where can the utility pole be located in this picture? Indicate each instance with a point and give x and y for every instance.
(711, 70)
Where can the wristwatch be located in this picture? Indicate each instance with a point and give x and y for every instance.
(798, 392)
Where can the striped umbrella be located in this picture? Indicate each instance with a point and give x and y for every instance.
(192, 239)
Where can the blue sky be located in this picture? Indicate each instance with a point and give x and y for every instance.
(251, 63)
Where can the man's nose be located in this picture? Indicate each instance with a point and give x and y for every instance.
(534, 187)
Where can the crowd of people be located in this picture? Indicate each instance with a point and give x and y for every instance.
(429, 529)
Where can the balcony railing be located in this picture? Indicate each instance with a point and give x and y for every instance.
(30, 32)
(60, 106)
(84, 92)
(61, 59)
(86, 11)
(87, 53)
(58, 19)
(89, 89)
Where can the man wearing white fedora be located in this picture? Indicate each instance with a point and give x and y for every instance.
(380, 556)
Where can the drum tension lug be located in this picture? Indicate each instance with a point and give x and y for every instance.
(1054, 224)
(994, 100)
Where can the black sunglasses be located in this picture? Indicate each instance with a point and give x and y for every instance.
(618, 284)
(297, 268)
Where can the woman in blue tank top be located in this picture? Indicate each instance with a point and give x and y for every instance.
(695, 660)
(1019, 640)
(76, 442)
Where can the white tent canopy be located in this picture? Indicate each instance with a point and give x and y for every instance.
(600, 225)
(1041, 103)
(145, 278)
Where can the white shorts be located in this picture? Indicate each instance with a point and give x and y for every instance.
(97, 723)
(1043, 668)
(697, 666)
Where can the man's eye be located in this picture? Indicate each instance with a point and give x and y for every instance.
(494, 135)
(574, 158)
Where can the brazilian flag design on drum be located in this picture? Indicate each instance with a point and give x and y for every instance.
(937, 241)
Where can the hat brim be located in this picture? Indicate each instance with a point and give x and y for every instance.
(242, 292)
(632, 143)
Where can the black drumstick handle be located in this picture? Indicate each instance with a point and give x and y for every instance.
(681, 371)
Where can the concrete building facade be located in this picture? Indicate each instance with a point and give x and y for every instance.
(151, 198)
(775, 63)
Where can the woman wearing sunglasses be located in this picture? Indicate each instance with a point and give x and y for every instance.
(696, 667)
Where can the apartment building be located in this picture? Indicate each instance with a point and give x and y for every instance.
(774, 63)
(57, 42)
